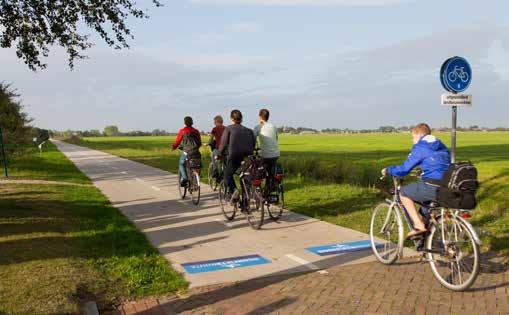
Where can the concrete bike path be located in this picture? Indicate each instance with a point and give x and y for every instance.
(185, 233)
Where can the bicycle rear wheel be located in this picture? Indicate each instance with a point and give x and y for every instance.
(255, 211)
(194, 188)
(386, 233)
(276, 209)
(229, 210)
(182, 190)
(453, 255)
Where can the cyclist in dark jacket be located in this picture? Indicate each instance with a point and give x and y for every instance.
(189, 141)
(239, 142)
(434, 159)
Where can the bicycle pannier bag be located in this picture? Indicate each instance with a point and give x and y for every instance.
(458, 187)
(194, 163)
(253, 167)
(456, 199)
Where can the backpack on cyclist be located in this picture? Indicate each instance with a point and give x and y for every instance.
(461, 176)
(190, 146)
(458, 186)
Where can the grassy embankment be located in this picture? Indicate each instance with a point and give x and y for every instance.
(60, 244)
(332, 177)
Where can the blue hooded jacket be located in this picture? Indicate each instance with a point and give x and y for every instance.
(431, 154)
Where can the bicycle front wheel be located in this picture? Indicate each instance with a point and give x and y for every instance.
(453, 253)
(255, 211)
(227, 207)
(386, 233)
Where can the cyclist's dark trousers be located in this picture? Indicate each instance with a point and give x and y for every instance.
(231, 167)
(270, 166)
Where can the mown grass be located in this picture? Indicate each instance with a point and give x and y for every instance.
(60, 244)
(333, 177)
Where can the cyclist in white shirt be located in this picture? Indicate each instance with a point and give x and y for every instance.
(266, 133)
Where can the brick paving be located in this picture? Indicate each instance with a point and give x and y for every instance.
(371, 288)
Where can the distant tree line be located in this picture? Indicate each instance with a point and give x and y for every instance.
(114, 131)
(109, 131)
(381, 129)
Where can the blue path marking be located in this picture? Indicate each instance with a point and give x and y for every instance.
(339, 248)
(225, 263)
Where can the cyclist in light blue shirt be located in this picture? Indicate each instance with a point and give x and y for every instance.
(268, 141)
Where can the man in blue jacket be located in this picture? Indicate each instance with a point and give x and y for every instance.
(434, 159)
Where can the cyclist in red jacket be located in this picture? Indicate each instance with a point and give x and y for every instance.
(189, 141)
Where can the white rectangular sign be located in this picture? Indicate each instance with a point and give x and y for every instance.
(456, 100)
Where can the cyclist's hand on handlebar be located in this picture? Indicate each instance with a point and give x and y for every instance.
(384, 172)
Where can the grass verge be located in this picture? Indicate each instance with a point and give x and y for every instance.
(60, 244)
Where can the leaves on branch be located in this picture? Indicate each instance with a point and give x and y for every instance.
(33, 26)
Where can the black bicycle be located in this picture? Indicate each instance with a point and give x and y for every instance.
(193, 169)
(251, 201)
(274, 192)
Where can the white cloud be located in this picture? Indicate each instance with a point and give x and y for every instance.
(498, 58)
(352, 3)
(245, 27)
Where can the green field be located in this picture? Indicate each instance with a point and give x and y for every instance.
(333, 177)
(61, 242)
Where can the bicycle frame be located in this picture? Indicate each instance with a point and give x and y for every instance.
(396, 200)
(451, 245)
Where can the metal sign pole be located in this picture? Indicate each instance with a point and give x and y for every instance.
(455, 76)
(3, 152)
(453, 133)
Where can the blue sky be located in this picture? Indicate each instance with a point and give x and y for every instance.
(315, 63)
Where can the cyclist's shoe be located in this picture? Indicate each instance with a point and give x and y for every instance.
(235, 196)
(183, 183)
(416, 234)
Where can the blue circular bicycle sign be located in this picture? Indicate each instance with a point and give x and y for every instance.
(456, 74)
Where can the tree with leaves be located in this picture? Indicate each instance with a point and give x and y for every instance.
(111, 131)
(33, 26)
(14, 122)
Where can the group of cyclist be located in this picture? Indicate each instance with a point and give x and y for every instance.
(236, 142)
(438, 228)
(232, 144)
